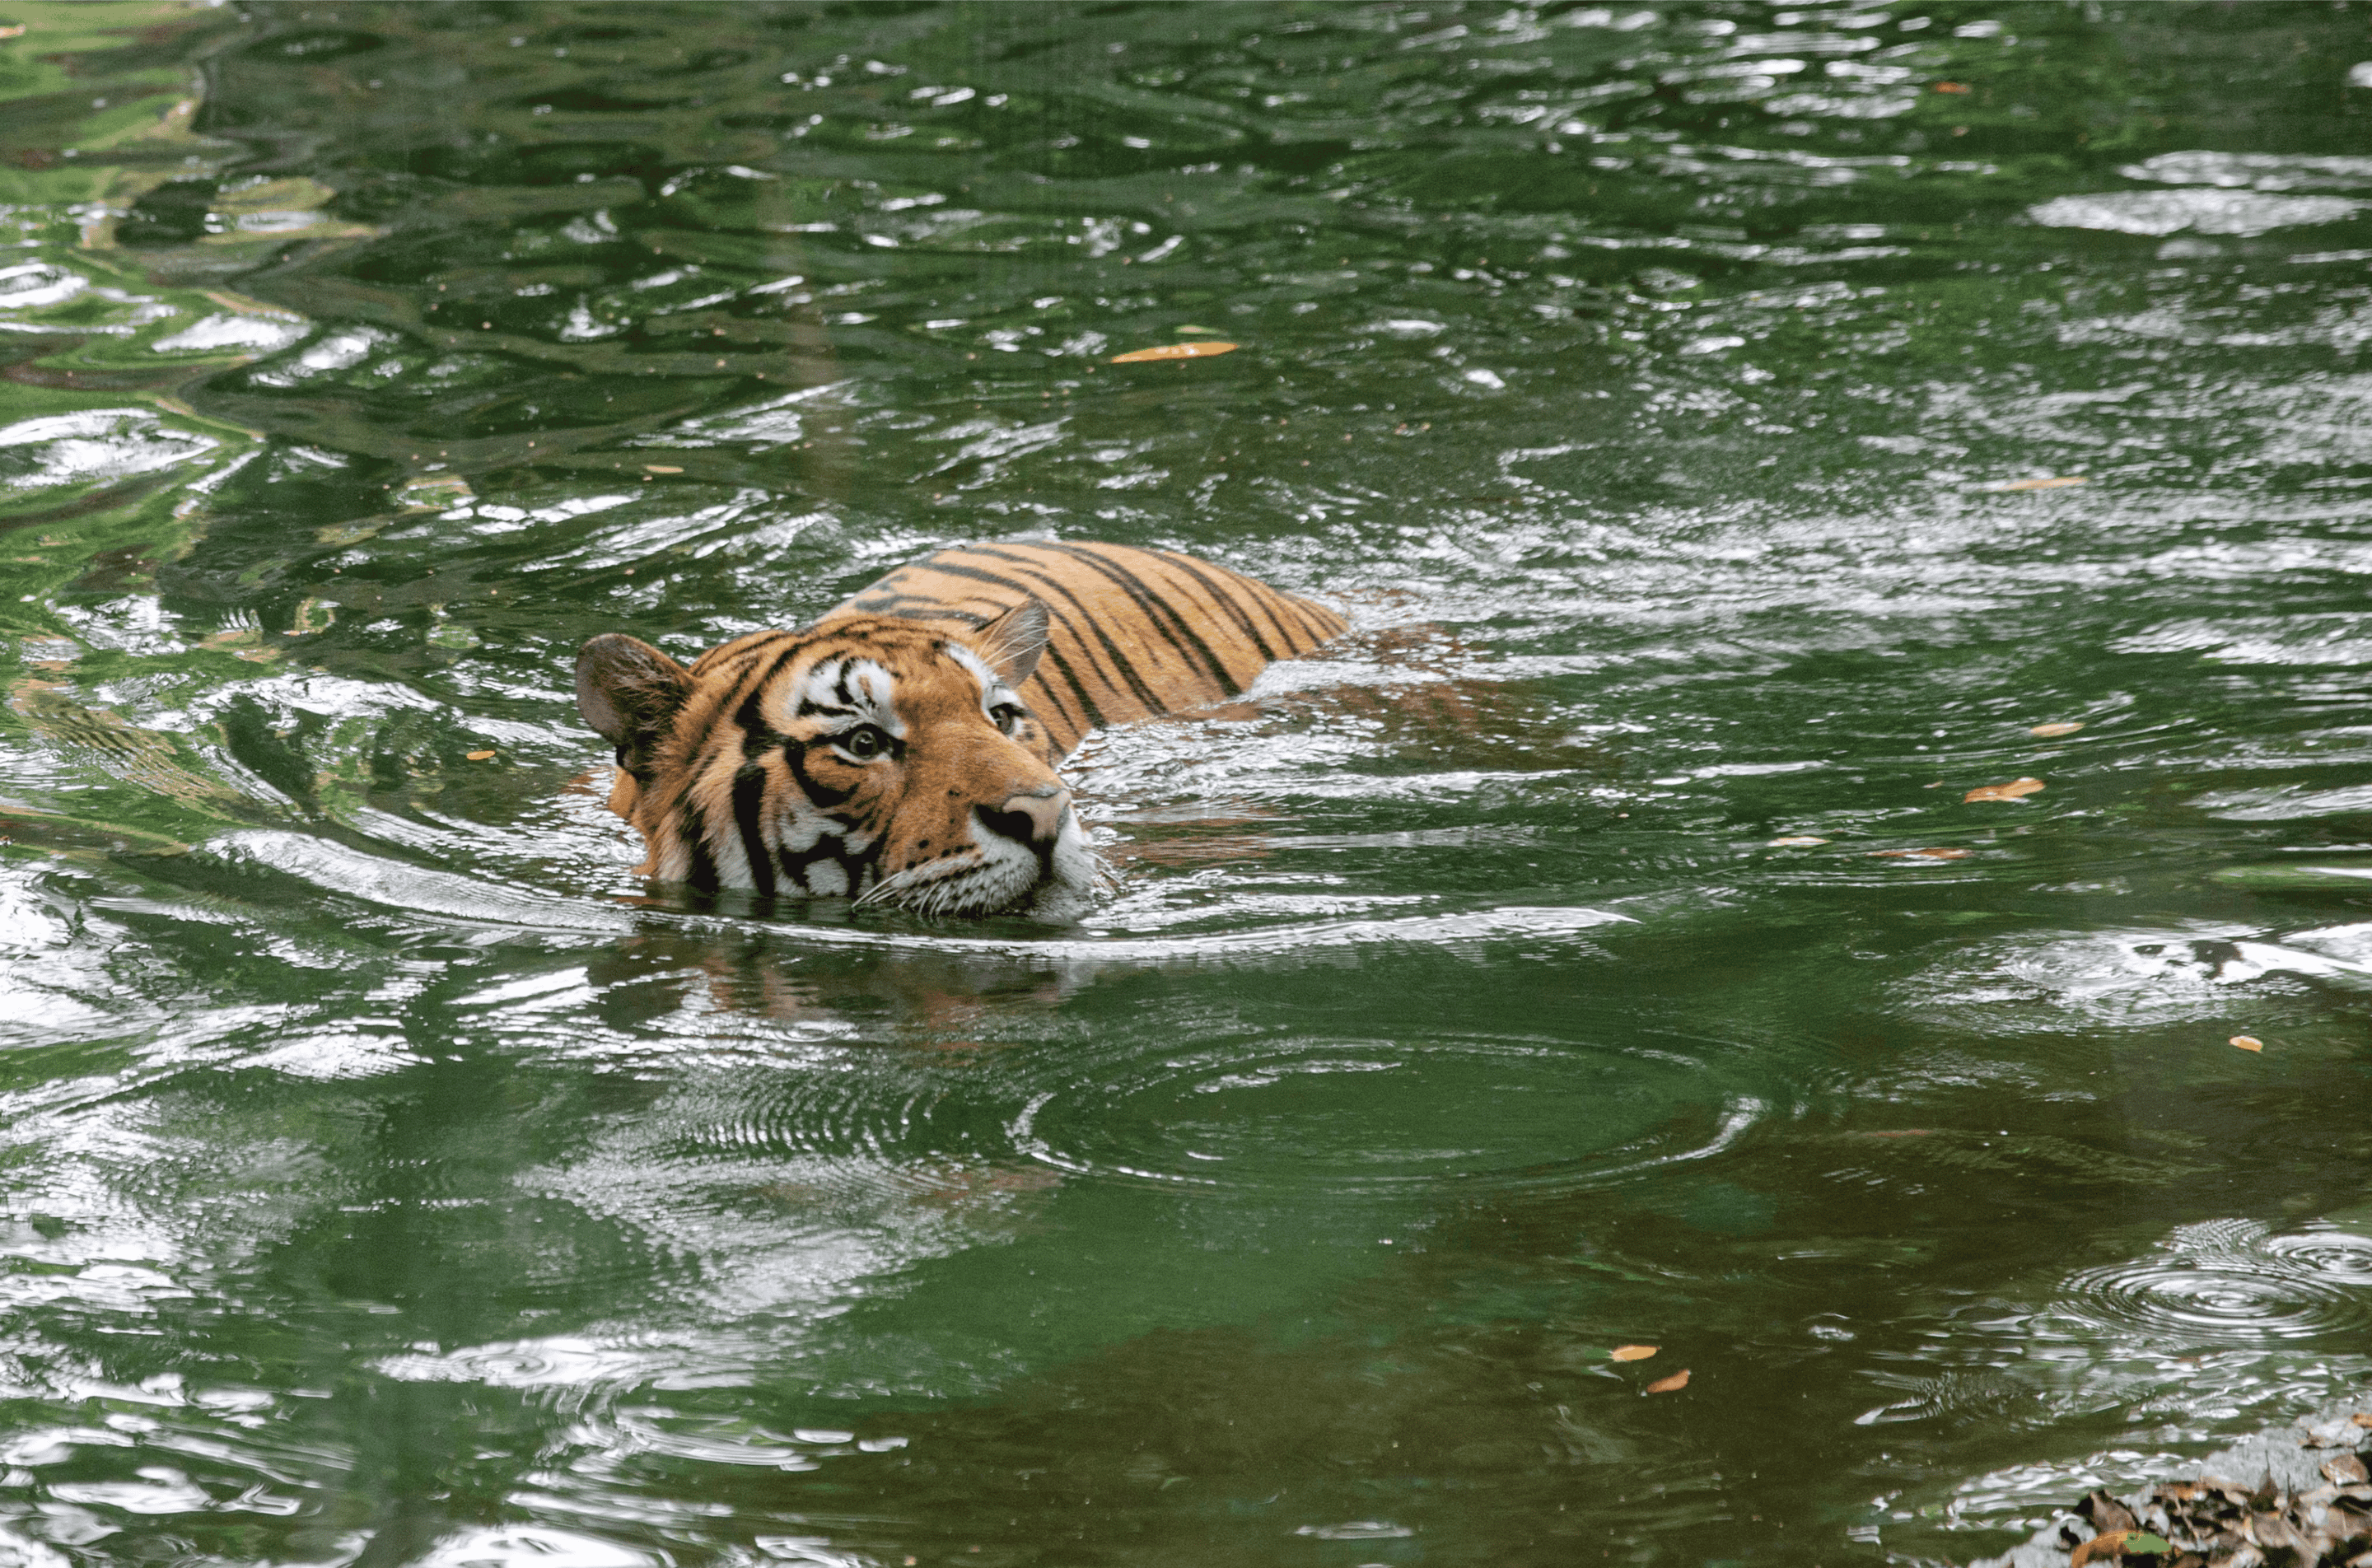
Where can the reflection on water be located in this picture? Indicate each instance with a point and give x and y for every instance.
(393, 1179)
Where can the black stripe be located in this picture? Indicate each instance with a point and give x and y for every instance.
(753, 690)
(1094, 717)
(1218, 596)
(973, 574)
(702, 872)
(748, 807)
(824, 797)
(1119, 659)
(1151, 603)
(927, 609)
(1269, 601)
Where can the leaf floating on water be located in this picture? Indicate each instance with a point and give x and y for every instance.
(2050, 731)
(2249, 1042)
(2010, 791)
(1920, 854)
(659, 468)
(1671, 1385)
(1798, 841)
(1633, 1353)
(479, 756)
(1175, 351)
(1206, 330)
(2056, 483)
(1951, 87)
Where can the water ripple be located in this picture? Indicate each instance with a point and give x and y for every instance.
(1349, 1117)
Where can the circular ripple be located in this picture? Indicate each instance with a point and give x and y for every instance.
(2341, 1257)
(2235, 1303)
(1352, 1116)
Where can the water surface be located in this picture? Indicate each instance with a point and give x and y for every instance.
(388, 1176)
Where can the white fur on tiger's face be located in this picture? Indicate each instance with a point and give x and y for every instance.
(900, 750)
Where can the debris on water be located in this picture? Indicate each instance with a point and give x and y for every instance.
(477, 755)
(1632, 1353)
(2191, 1524)
(1796, 840)
(2010, 791)
(2305, 1508)
(1671, 1385)
(2056, 483)
(2247, 1042)
(2051, 731)
(1175, 351)
(1920, 854)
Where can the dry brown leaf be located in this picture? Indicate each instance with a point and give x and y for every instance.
(2050, 731)
(2247, 1042)
(1631, 1353)
(2010, 791)
(17, 31)
(480, 756)
(1175, 351)
(1796, 840)
(1920, 854)
(2108, 1543)
(659, 468)
(2345, 1471)
(2362, 1418)
(1673, 1383)
(1951, 87)
(2055, 483)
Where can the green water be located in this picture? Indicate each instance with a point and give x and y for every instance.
(388, 1176)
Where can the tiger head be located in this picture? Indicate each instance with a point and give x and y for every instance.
(866, 756)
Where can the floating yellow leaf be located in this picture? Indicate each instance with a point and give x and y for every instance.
(1798, 841)
(659, 468)
(2247, 1042)
(2010, 791)
(2117, 1543)
(1631, 1353)
(1951, 87)
(1205, 330)
(2056, 483)
(2050, 731)
(1175, 351)
(480, 756)
(1920, 854)
(1673, 1383)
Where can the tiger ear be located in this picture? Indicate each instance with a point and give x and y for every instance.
(1013, 641)
(629, 691)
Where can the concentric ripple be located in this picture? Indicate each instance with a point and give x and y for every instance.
(1350, 1117)
(2340, 1256)
(2234, 1301)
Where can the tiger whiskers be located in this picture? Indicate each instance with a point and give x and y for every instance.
(927, 889)
(939, 889)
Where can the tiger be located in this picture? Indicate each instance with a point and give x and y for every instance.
(901, 750)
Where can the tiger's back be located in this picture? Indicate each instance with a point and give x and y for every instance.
(1131, 635)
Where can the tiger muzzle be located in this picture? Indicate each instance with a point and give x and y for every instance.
(1034, 819)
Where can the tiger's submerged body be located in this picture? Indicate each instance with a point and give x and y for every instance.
(903, 748)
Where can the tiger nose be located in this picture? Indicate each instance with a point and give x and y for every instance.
(1035, 819)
